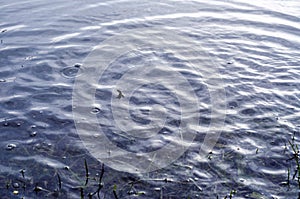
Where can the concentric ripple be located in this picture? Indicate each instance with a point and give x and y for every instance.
(139, 75)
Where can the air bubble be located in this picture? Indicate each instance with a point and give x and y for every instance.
(95, 110)
(16, 185)
(10, 147)
(33, 134)
(72, 72)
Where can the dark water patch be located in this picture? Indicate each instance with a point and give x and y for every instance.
(6, 76)
(248, 111)
(42, 71)
(50, 119)
(60, 94)
(104, 94)
(46, 96)
(16, 104)
(8, 54)
(68, 108)
(232, 104)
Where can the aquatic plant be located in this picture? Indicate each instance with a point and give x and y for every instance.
(295, 157)
(230, 196)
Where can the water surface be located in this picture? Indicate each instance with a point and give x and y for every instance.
(255, 45)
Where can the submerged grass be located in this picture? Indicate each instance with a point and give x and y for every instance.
(88, 190)
(86, 173)
(230, 195)
(296, 164)
(87, 177)
(93, 187)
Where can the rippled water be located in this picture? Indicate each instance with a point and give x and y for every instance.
(255, 45)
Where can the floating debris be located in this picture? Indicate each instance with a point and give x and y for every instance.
(23, 172)
(77, 65)
(11, 79)
(157, 189)
(8, 184)
(120, 95)
(10, 147)
(37, 189)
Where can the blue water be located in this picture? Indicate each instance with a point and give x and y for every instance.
(255, 47)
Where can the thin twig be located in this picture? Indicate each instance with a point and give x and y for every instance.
(59, 181)
(86, 172)
(115, 191)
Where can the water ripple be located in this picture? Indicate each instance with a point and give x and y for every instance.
(255, 44)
